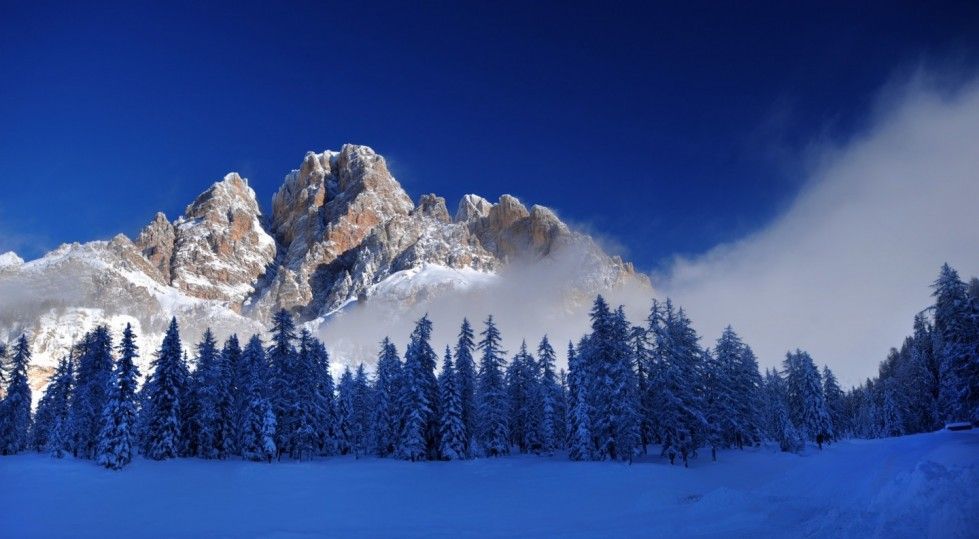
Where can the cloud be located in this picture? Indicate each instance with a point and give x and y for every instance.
(844, 269)
(527, 300)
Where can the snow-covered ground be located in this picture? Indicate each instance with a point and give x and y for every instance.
(915, 486)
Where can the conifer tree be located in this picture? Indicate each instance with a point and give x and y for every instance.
(207, 394)
(677, 386)
(325, 405)
(258, 422)
(780, 425)
(834, 403)
(51, 420)
(492, 430)
(451, 427)
(551, 397)
(15, 408)
(93, 380)
(117, 438)
(419, 436)
(362, 399)
(387, 390)
(283, 390)
(163, 436)
(229, 401)
(466, 378)
(957, 347)
(345, 413)
(524, 403)
(807, 405)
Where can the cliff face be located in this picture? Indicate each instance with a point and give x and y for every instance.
(341, 230)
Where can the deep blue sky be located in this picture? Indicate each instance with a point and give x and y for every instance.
(667, 129)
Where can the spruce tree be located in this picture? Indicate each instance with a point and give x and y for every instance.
(345, 413)
(93, 381)
(492, 430)
(551, 397)
(834, 403)
(207, 389)
(163, 436)
(257, 426)
(284, 393)
(51, 418)
(452, 432)
(117, 439)
(362, 398)
(466, 378)
(386, 424)
(15, 408)
(957, 347)
(419, 436)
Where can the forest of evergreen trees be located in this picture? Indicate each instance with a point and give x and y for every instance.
(628, 389)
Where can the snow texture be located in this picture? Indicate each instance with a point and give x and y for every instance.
(913, 486)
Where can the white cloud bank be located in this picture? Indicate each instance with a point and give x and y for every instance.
(842, 272)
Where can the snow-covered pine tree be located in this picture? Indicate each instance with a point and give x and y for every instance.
(164, 414)
(748, 398)
(284, 393)
(117, 438)
(93, 380)
(229, 403)
(807, 405)
(257, 425)
(206, 383)
(345, 412)
(51, 419)
(780, 427)
(957, 347)
(834, 403)
(677, 386)
(522, 398)
(452, 434)
(15, 408)
(325, 405)
(642, 354)
(466, 378)
(561, 410)
(918, 382)
(718, 405)
(492, 428)
(386, 424)
(892, 412)
(732, 391)
(362, 399)
(579, 434)
(551, 397)
(305, 440)
(416, 402)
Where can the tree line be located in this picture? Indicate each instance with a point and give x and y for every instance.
(628, 388)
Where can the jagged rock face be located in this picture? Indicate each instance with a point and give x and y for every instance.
(345, 224)
(156, 245)
(221, 247)
(341, 230)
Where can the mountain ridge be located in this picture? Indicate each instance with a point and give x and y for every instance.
(341, 230)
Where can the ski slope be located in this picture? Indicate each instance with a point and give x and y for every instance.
(915, 486)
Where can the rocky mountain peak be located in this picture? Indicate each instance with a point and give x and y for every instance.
(155, 243)
(472, 207)
(217, 249)
(10, 260)
(434, 207)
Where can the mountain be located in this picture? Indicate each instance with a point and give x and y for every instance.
(341, 233)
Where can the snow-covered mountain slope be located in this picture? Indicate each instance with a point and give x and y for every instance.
(341, 232)
(913, 486)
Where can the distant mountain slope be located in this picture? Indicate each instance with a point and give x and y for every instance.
(341, 231)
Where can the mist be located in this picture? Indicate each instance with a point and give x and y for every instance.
(842, 272)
